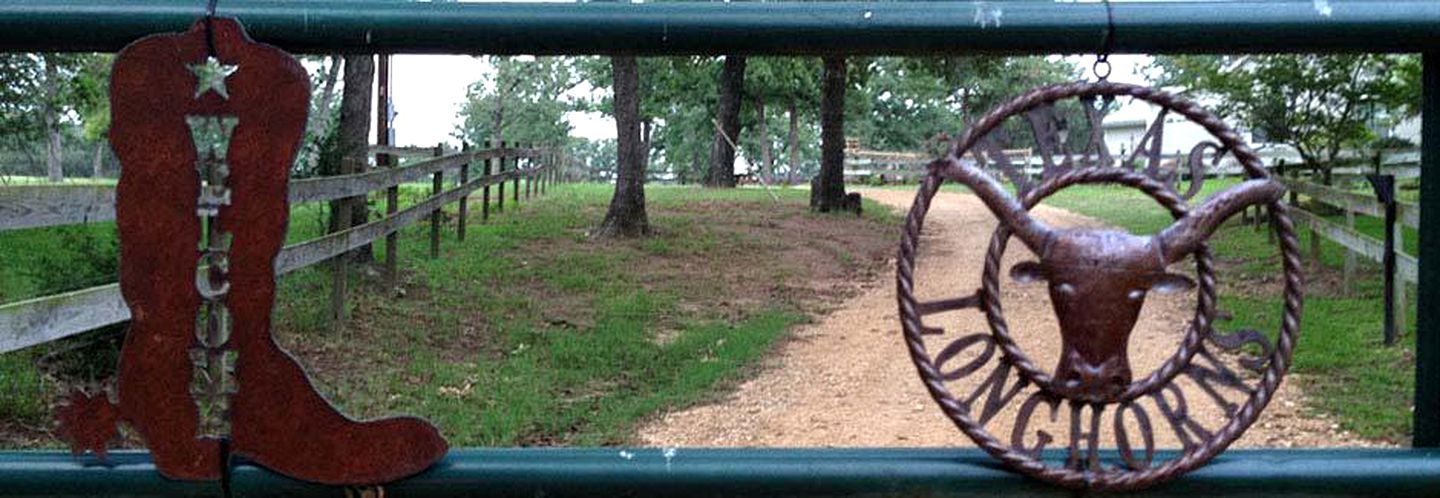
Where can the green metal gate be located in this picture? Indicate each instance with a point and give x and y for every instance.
(794, 28)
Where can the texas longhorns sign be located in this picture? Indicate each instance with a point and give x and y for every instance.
(1098, 281)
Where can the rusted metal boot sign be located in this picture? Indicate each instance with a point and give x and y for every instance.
(206, 125)
(1098, 281)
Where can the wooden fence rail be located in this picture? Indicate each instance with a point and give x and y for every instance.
(1407, 267)
(1358, 203)
(43, 319)
(1364, 245)
(33, 206)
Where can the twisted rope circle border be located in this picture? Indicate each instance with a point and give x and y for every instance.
(1279, 361)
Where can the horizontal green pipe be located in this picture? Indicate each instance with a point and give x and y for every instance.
(610, 472)
(669, 28)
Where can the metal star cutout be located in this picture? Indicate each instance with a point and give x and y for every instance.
(212, 76)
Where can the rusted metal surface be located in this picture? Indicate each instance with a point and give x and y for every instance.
(1098, 280)
(199, 364)
(1050, 128)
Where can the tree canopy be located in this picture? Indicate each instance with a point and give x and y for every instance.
(521, 101)
(1321, 105)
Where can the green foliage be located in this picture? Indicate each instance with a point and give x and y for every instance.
(88, 258)
(41, 261)
(902, 103)
(523, 101)
(69, 88)
(22, 384)
(1318, 104)
(322, 126)
(597, 157)
(678, 96)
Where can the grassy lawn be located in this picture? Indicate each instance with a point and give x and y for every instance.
(528, 332)
(1340, 357)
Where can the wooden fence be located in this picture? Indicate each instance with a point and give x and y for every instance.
(34, 321)
(1356, 243)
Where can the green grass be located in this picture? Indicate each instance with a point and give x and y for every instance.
(528, 332)
(591, 379)
(1340, 357)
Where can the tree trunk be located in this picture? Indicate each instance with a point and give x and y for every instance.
(794, 141)
(50, 116)
(320, 121)
(355, 144)
(647, 126)
(497, 119)
(722, 153)
(767, 157)
(828, 191)
(626, 216)
(54, 152)
(97, 165)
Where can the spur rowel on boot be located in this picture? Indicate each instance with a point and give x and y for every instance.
(207, 124)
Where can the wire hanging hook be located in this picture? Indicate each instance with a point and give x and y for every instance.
(210, 27)
(1107, 43)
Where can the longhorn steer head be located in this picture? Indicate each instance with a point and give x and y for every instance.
(1099, 278)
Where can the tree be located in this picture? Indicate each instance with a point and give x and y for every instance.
(904, 102)
(43, 97)
(522, 102)
(1321, 105)
(679, 97)
(92, 103)
(828, 192)
(788, 83)
(626, 216)
(51, 110)
(596, 157)
(320, 126)
(722, 154)
(354, 144)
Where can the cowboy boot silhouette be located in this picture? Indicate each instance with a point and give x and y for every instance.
(254, 98)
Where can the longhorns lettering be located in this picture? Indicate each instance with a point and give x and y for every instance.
(1056, 156)
(1098, 278)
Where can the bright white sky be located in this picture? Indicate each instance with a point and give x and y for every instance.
(428, 91)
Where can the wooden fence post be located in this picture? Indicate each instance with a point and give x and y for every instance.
(515, 189)
(1384, 186)
(382, 137)
(485, 197)
(392, 240)
(1348, 282)
(530, 178)
(465, 199)
(436, 187)
(1399, 302)
(500, 198)
(1314, 234)
(339, 275)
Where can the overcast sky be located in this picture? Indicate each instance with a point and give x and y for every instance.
(428, 91)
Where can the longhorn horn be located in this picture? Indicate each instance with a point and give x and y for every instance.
(1029, 230)
(1186, 234)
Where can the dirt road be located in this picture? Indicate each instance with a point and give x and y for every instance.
(848, 381)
